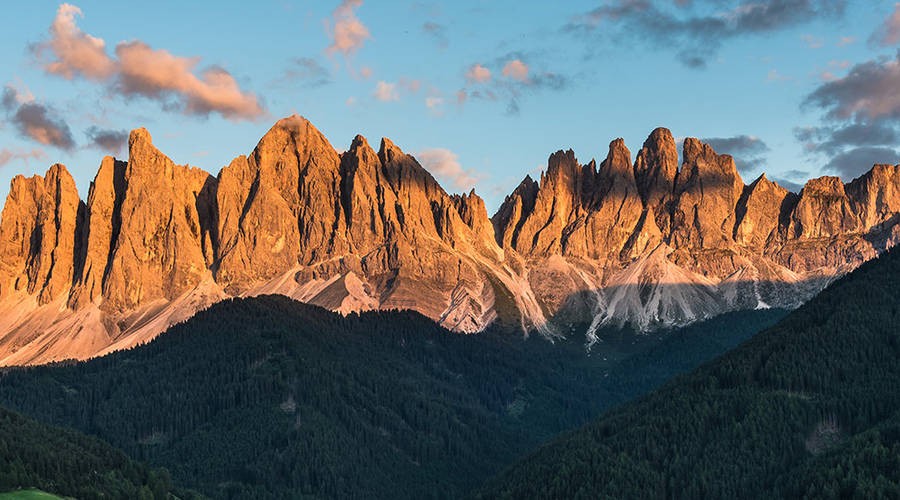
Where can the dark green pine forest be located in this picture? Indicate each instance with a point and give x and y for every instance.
(270, 398)
(809, 408)
(66, 462)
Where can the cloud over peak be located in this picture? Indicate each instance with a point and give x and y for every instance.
(139, 70)
(444, 164)
(347, 32)
(112, 141)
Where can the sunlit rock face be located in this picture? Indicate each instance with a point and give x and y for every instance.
(646, 242)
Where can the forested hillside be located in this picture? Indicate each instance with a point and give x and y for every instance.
(271, 398)
(808, 408)
(68, 463)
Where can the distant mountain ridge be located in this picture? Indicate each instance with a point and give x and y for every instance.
(647, 244)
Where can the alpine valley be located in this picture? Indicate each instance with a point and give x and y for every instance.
(652, 243)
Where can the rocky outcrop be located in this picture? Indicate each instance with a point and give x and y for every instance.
(655, 168)
(758, 212)
(38, 235)
(645, 243)
(707, 189)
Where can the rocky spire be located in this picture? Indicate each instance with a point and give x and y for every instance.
(100, 232)
(655, 168)
(38, 235)
(513, 212)
(707, 189)
(758, 212)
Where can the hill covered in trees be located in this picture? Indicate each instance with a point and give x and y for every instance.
(809, 408)
(68, 463)
(270, 398)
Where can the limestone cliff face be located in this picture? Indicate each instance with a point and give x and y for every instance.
(646, 242)
(758, 212)
(163, 226)
(707, 189)
(38, 235)
(655, 169)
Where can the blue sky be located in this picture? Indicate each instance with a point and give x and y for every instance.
(786, 86)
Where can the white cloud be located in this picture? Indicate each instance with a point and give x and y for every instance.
(385, 91)
(141, 70)
(478, 74)
(445, 165)
(517, 70)
(347, 32)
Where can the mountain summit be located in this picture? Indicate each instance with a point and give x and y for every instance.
(647, 243)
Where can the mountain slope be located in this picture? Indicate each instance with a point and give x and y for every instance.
(777, 417)
(268, 397)
(650, 244)
(71, 464)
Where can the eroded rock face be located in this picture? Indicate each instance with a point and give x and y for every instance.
(645, 243)
(38, 235)
(707, 190)
(279, 206)
(655, 169)
(159, 247)
(758, 213)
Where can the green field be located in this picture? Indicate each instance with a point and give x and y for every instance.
(28, 495)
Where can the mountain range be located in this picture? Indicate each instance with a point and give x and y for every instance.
(648, 243)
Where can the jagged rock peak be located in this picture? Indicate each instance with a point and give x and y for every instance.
(294, 124)
(38, 234)
(388, 151)
(824, 186)
(359, 142)
(759, 212)
(139, 135)
(618, 159)
(655, 169)
(707, 190)
(473, 212)
(558, 164)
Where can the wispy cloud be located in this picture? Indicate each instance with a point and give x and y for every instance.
(307, 71)
(812, 41)
(108, 140)
(438, 32)
(888, 33)
(695, 33)
(385, 91)
(747, 150)
(7, 155)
